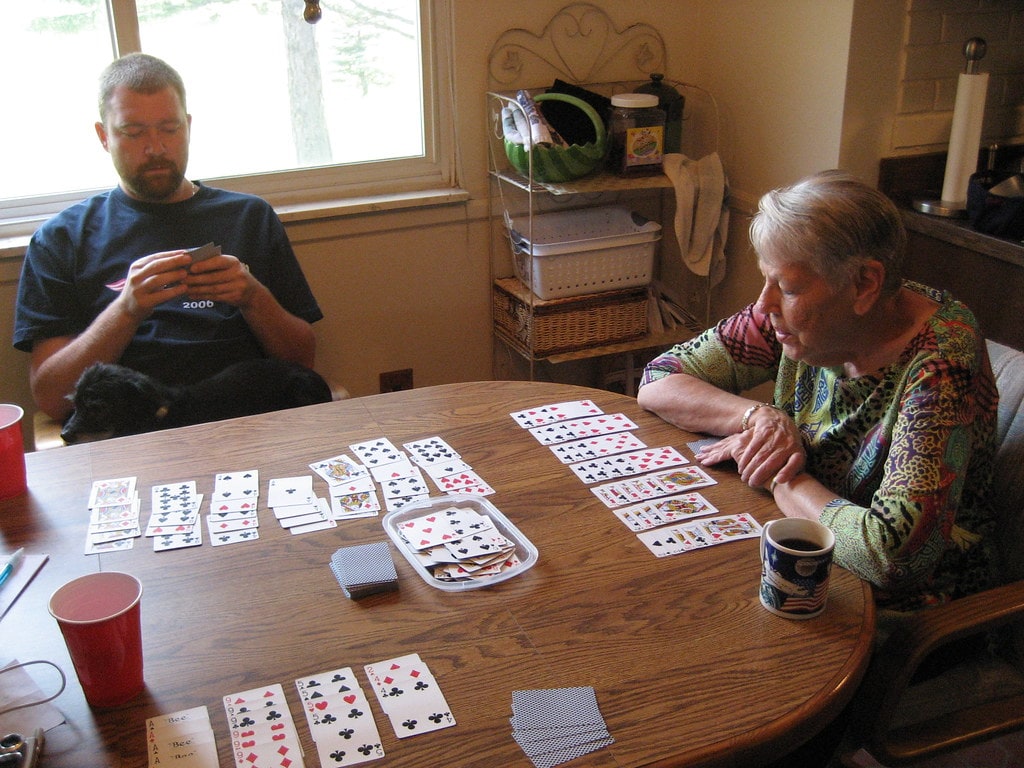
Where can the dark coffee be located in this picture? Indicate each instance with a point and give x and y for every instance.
(800, 545)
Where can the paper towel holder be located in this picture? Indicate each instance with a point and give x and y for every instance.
(974, 50)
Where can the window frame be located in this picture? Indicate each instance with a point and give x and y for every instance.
(328, 190)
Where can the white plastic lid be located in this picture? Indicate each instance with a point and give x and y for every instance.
(635, 100)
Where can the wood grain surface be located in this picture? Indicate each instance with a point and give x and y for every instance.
(689, 669)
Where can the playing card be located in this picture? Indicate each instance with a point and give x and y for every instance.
(626, 464)
(429, 451)
(578, 429)
(664, 483)
(107, 492)
(262, 730)
(108, 546)
(595, 447)
(547, 414)
(410, 485)
(374, 453)
(339, 470)
(464, 482)
(174, 497)
(339, 717)
(409, 695)
(233, 537)
(289, 491)
(243, 484)
(351, 505)
(183, 739)
(394, 470)
(178, 541)
(203, 252)
(703, 532)
(651, 514)
(556, 725)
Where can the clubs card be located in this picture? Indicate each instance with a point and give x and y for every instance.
(626, 464)
(429, 451)
(664, 483)
(409, 485)
(578, 429)
(233, 537)
(548, 414)
(339, 717)
(230, 486)
(696, 534)
(289, 491)
(651, 514)
(596, 447)
(409, 695)
(374, 453)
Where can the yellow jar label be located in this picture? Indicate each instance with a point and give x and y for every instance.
(644, 146)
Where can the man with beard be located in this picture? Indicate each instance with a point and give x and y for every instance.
(111, 279)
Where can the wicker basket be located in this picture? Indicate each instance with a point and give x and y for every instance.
(569, 324)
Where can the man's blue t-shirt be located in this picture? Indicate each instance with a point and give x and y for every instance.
(77, 263)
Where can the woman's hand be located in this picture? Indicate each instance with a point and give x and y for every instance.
(770, 449)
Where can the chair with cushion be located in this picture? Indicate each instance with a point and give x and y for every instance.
(901, 721)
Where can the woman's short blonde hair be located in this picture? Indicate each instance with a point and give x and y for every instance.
(832, 223)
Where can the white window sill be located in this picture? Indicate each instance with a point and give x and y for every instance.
(14, 247)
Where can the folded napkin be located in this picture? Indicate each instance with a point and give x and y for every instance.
(702, 212)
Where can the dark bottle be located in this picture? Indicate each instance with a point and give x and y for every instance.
(671, 102)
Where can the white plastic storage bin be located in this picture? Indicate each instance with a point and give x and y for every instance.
(584, 251)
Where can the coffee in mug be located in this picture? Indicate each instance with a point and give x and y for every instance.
(796, 559)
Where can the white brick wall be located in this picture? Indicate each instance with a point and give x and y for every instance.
(934, 35)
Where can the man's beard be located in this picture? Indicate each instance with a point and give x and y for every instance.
(159, 187)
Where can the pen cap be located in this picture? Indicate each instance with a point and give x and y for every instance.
(12, 452)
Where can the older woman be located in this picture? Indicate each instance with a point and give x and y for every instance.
(884, 406)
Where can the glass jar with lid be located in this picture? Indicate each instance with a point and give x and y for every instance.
(637, 129)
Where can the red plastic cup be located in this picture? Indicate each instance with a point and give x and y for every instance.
(12, 452)
(99, 616)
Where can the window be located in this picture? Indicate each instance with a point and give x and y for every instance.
(297, 113)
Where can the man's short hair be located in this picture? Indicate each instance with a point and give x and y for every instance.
(138, 72)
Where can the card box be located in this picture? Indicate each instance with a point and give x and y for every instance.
(525, 550)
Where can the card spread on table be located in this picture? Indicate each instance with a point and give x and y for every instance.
(653, 485)
(548, 414)
(409, 695)
(556, 725)
(578, 429)
(262, 729)
(114, 510)
(626, 464)
(651, 514)
(182, 739)
(700, 533)
(596, 447)
(339, 717)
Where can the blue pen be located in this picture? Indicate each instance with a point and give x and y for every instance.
(12, 563)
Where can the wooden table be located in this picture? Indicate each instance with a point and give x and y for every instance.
(689, 669)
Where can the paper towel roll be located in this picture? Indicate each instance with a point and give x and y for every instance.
(965, 138)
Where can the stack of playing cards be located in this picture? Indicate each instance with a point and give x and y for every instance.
(113, 516)
(339, 718)
(262, 729)
(556, 725)
(174, 520)
(409, 696)
(455, 543)
(183, 739)
(352, 490)
(365, 569)
(296, 507)
(233, 515)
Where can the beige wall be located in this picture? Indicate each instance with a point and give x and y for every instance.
(411, 289)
